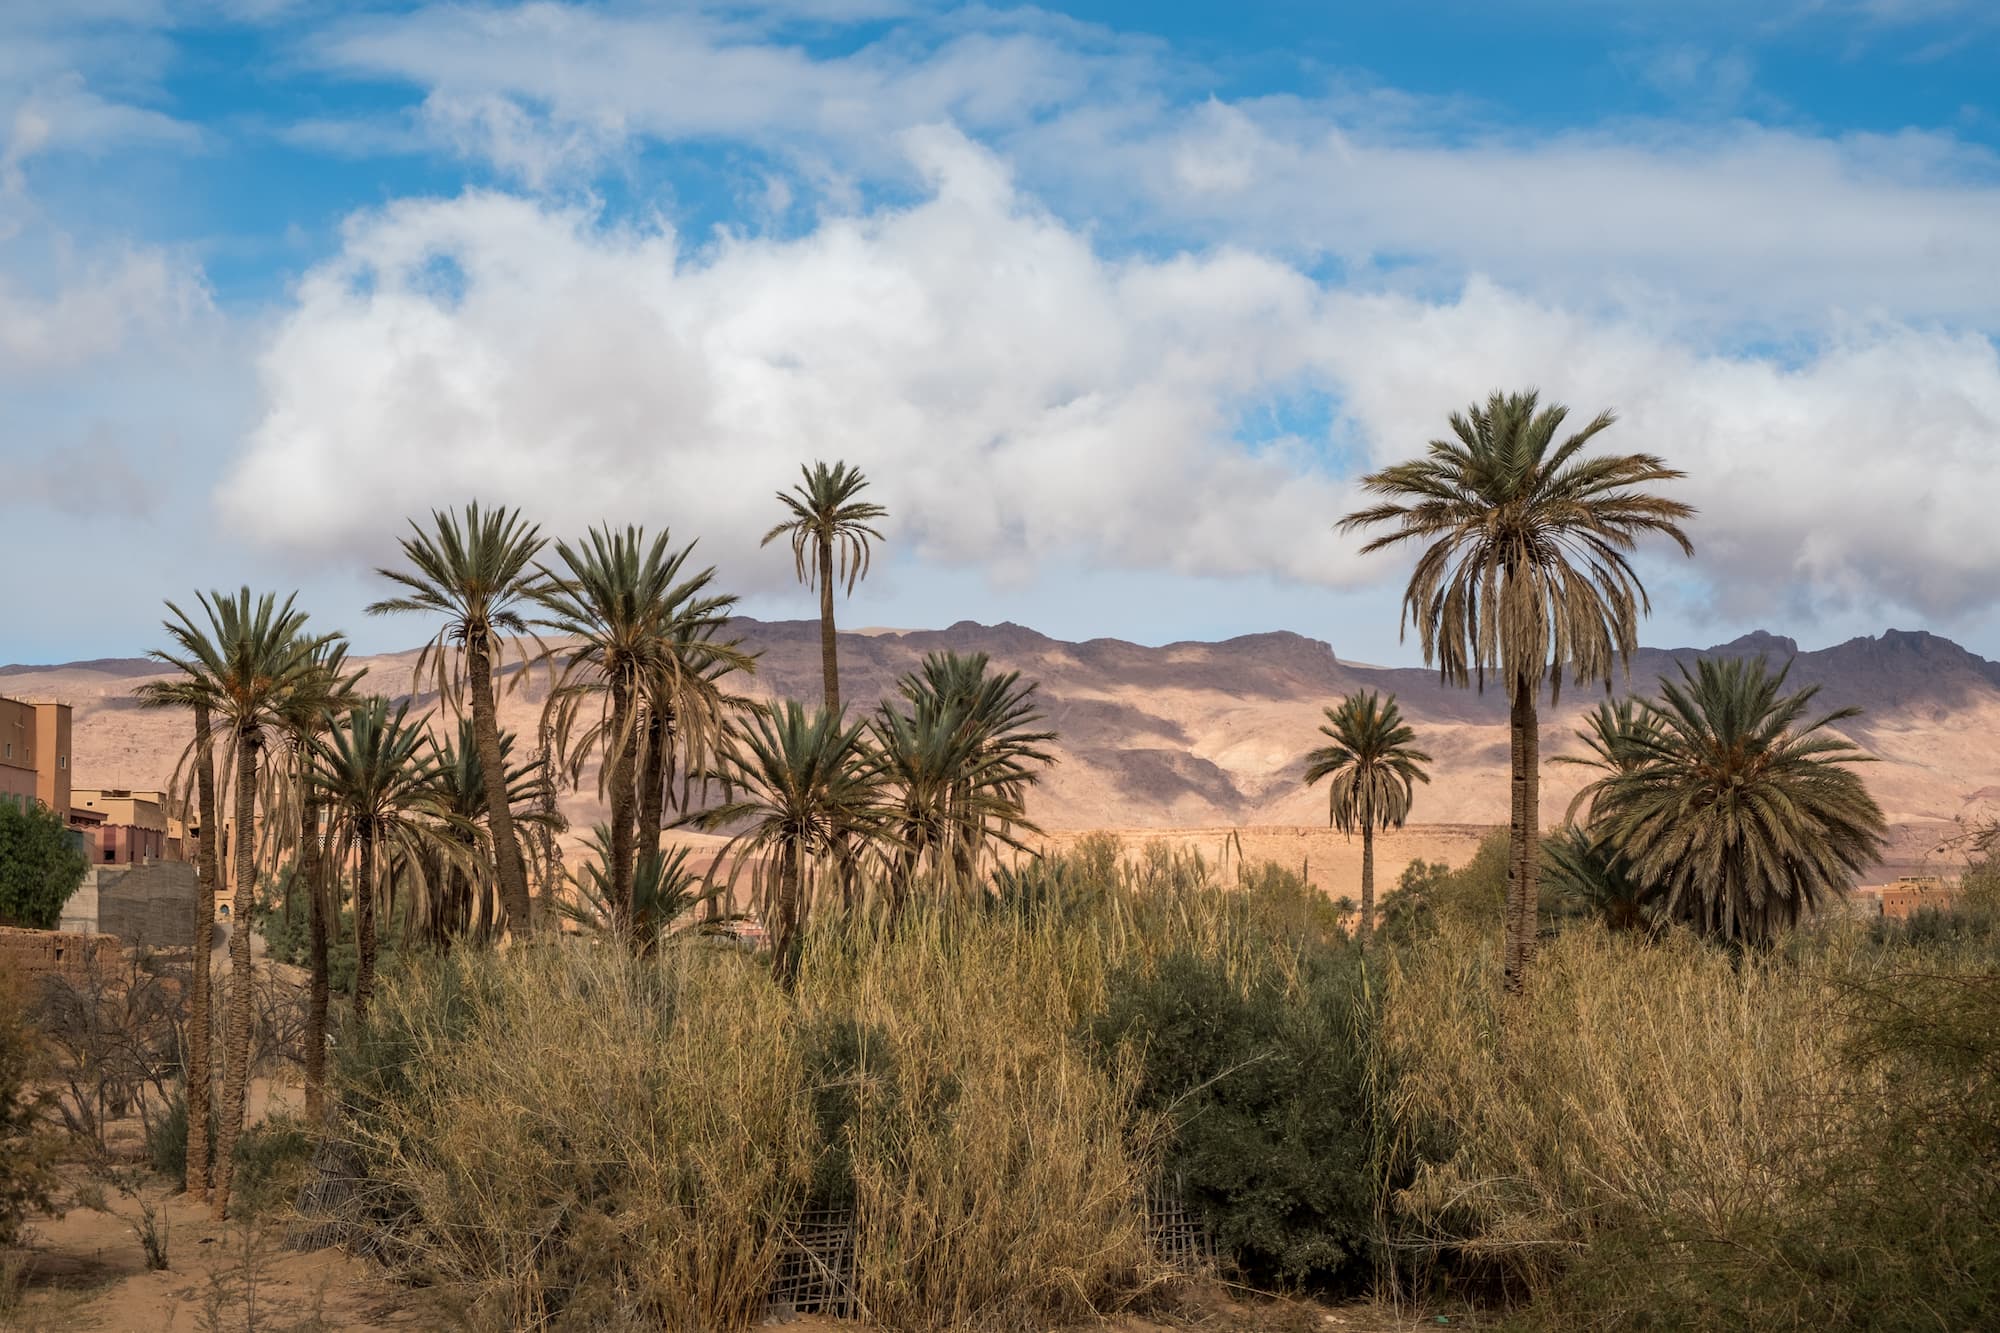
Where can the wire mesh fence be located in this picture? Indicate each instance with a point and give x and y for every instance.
(816, 1272)
(1180, 1236)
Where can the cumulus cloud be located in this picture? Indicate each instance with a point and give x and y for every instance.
(1025, 400)
(1018, 397)
(1859, 473)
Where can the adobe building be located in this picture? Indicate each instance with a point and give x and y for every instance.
(34, 754)
(132, 827)
(1911, 894)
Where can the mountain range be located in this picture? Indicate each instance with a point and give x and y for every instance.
(1211, 736)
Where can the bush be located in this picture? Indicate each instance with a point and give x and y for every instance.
(40, 865)
(288, 939)
(27, 1146)
(1264, 1079)
(272, 1157)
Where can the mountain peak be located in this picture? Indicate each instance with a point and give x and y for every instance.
(1760, 641)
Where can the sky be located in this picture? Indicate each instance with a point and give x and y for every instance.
(1114, 302)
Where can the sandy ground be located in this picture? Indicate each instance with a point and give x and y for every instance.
(88, 1270)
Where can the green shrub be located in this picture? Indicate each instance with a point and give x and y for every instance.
(289, 940)
(272, 1157)
(27, 1145)
(1264, 1080)
(40, 865)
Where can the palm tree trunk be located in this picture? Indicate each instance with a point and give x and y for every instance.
(1523, 833)
(1365, 930)
(201, 1005)
(623, 740)
(364, 923)
(829, 659)
(237, 1019)
(507, 860)
(653, 782)
(784, 938)
(312, 864)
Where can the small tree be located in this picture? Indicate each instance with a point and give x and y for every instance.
(40, 866)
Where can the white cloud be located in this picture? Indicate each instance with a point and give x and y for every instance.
(1018, 397)
(77, 310)
(1861, 474)
(554, 71)
(1024, 400)
(1736, 225)
(1732, 223)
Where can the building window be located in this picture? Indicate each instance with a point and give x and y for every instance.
(62, 761)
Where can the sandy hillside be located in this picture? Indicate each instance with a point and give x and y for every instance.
(1203, 737)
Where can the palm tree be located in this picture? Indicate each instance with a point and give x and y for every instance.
(804, 789)
(959, 756)
(479, 576)
(375, 771)
(462, 900)
(1374, 770)
(306, 716)
(1526, 574)
(622, 599)
(197, 694)
(253, 656)
(826, 518)
(664, 890)
(686, 707)
(1588, 871)
(1742, 813)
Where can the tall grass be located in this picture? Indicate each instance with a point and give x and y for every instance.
(1657, 1133)
(1668, 1135)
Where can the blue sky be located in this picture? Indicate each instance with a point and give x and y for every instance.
(1115, 301)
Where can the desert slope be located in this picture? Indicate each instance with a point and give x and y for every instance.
(1207, 736)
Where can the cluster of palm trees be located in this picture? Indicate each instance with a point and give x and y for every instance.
(360, 799)
(1722, 803)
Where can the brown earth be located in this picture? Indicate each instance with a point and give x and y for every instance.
(1199, 738)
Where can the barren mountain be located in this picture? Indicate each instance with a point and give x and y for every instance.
(1204, 737)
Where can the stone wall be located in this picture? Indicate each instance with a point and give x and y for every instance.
(28, 955)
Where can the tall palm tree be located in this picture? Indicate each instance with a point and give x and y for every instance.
(1742, 812)
(197, 694)
(804, 789)
(621, 598)
(254, 654)
(479, 575)
(829, 528)
(1525, 574)
(1373, 768)
(375, 772)
(306, 716)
